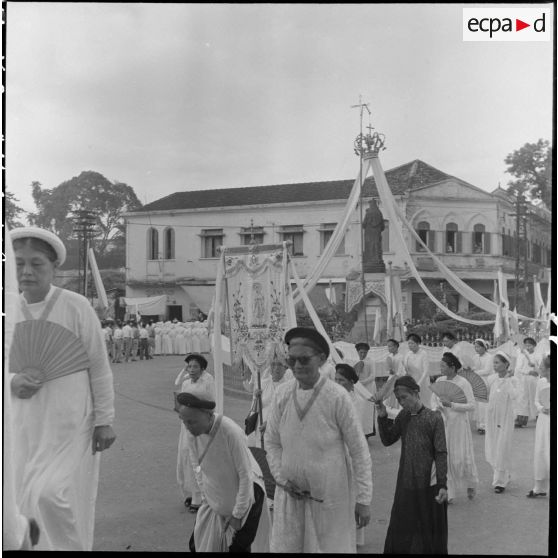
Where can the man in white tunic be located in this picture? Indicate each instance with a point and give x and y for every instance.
(313, 436)
(233, 516)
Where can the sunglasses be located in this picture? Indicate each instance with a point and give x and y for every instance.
(304, 360)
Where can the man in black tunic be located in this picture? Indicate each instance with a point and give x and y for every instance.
(418, 523)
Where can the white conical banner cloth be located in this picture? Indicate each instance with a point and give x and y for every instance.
(97, 280)
(338, 234)
(389, 206)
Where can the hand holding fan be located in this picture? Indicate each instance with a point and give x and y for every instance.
(46, 350)
(387, 389)
(480, 391)
(453, 392)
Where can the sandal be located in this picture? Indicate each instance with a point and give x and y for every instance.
(533, 494)
(499, 489)
(471, 492)
(194, 508)
(188, 501)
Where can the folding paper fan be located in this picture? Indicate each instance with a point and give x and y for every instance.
(450, 390)
(269, 482)
(544, 397)
(387, 388)
(46, 350)
(480, 391)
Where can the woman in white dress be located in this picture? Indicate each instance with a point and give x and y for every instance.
(482, 365)
(62, 423)
(346, 377)
(204, 338)
(188, 337)
(180, 340)
(158, 339)
(166, 341)
(195, 379)
(462, 469)
(415, 363)
(503, 390)
(196, 344)
(542, 434)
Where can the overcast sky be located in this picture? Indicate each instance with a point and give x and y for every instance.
(174, 97)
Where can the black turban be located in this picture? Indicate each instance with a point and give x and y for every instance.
(312, 336)
(406, 382)
(194, 402)
(347, 372)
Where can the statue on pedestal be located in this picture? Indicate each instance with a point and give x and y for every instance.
(373, 225)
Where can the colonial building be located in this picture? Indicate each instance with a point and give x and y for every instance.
(172, 243)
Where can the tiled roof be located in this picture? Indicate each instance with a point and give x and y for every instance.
(400, 179)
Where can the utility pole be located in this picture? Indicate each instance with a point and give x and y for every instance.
(362, 106)
(84, 231)
(521, 278)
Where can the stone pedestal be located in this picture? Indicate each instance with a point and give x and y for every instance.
(375, 302)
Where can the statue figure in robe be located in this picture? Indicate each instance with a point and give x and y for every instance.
(373, 225)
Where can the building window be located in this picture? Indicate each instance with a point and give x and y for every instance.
(294, 234)
(481, 240)
(453, 239)
(385, 237)
(251, 235)
(326, 232)
(426, 235)
(536, 253)
(168, 249)
(152, 244)
(212, 239)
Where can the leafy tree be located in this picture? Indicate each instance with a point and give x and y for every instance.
(89, 191)
(12, 211)
(531, 166)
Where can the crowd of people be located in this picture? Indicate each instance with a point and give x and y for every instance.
(317, 417)
(314, 409)
(132, 340)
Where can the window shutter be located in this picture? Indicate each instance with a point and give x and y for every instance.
(458, 242)
(487, 243)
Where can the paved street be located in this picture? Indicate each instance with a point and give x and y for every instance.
(139, 507)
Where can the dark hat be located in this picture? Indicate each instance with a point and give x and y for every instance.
(530, 341)
(406, 382)
(347, 372)
(200, 358)
(313, 336)
(359, 346)
(194, 402)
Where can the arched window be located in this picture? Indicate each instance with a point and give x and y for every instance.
(152, 244)
(426, 235)
(453, 239)
(168, 249)
(481, 240)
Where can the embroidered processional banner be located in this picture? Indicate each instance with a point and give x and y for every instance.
(257, 292)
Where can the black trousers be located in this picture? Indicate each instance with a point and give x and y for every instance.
(244, 537)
